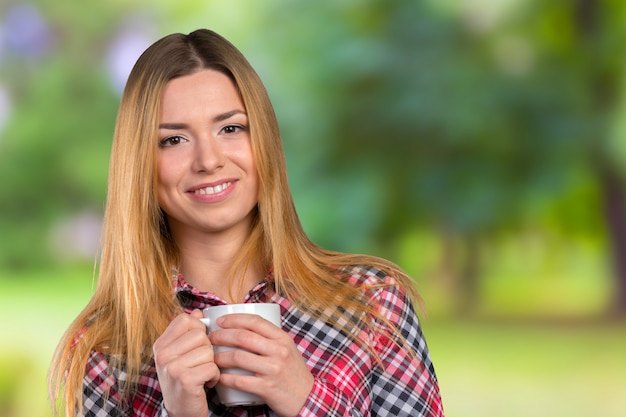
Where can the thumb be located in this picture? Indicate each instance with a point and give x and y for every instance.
(197, 314)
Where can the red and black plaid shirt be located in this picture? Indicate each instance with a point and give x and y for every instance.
(348, 380)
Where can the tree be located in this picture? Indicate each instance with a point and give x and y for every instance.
(427, 123)
(600, 38)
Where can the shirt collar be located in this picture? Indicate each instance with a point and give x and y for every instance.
(191, 298)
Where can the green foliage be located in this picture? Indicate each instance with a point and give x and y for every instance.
(402, 120)
(55, 148)
(427, 115)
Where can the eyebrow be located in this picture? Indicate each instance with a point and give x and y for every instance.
(228, 115)
(217, 119)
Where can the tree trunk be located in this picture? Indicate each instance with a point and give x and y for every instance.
(460, 271)
(604, 85)
(469, 276)
(613, 188)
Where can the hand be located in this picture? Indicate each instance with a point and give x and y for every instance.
(184, 362)
(281, 377)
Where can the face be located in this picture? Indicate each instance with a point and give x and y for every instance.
(207, 179)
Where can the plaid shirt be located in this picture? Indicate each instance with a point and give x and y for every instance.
(348, 380)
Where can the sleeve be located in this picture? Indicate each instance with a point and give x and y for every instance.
(101, 396)
(327, 399)
(405, 384)
(398, 381)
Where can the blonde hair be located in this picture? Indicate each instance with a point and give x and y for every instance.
(135, 276)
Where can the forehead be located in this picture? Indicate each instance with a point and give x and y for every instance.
(206, 90)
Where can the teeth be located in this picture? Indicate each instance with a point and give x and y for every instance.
(213, 190)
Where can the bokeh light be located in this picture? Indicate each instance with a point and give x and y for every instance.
(133, 37)
(26, 32)
(5, 108)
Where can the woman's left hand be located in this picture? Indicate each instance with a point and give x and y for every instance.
(281, 377)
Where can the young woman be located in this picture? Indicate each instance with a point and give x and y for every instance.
(199, 213)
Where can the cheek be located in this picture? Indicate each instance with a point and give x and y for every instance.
(161, 178)
(253, 172)
(166, 171)
(245, 159)
(165, 178)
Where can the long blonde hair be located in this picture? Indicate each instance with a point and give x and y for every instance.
(135, 274)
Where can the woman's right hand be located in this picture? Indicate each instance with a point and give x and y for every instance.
(184, 362)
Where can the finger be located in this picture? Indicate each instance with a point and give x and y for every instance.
(239, 358)
(168, 347)
(202, 374)
(196, 314)
(245, 383)
(243, 339)
(180, 325)
(194, 357)
(191, 350)
(185, 342)
(251, 322)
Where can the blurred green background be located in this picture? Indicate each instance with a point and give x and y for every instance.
(480, 144)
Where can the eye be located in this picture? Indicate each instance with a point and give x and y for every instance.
(232, 129)
(171, 141)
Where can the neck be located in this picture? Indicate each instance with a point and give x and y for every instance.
(206, 262)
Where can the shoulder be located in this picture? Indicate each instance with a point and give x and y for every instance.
(363, 274)
(389, 294)
(373, 280)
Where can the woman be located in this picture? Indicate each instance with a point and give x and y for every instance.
(199, 213)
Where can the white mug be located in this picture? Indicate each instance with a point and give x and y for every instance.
(271, 312)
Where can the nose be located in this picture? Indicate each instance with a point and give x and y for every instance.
(208, 155)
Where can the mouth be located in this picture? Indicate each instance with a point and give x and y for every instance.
(212, 190)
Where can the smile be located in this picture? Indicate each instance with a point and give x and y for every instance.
(213, 190)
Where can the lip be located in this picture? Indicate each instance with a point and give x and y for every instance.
(214, 191)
